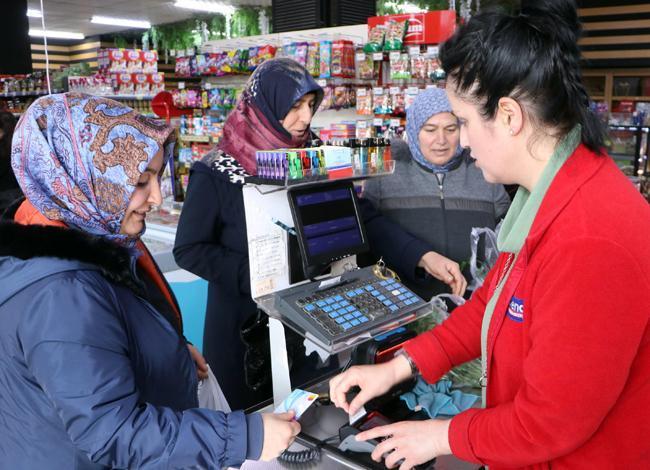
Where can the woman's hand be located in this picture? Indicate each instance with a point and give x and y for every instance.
(280, 430)
(373, 381)
(199, 360)
(409, 443)
(445, 270)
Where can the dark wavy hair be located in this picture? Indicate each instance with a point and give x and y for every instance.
(532, 57)
(7, 124)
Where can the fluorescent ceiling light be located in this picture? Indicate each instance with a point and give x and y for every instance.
(55, 34)
(34, 13)
(212, 7)
(120, 22)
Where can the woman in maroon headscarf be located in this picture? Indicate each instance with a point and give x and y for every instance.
(275, 111)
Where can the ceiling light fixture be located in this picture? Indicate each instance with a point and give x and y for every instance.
(55, 34)
(212, 7)
(120, 22)
(34, 13)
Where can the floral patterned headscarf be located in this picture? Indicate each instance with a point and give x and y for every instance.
(78, 159)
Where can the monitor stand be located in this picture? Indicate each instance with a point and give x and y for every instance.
(279, 361)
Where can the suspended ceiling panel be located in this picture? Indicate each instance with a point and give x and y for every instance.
(74, 15)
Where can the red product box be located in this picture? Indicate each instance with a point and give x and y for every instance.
(432, 27)
(149, 61)
(156, 82)
(140, 84)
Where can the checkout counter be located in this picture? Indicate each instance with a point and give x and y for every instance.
(355, 313)
(296, 233)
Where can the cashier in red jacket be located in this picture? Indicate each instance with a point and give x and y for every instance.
(561, 322)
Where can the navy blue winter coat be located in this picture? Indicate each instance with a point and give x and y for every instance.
(91, 375)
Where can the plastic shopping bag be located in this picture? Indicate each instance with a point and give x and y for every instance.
(484, 254)
(210, 394)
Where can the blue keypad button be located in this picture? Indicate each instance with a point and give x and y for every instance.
(350, 308)
(344, 303)
(401, 297)
(329, 300)
(346, 326)
(349, 316)
(375, 293)
(351, 293)
(340, 320)
(381, 297)
(369, 288)
(359, 291)
(408, 302)
(363, 319)
(357, 314)
(310, 307)
(387, 302)
(338, 298)
(321, 303)
(393, 308)
(334, 314)
(354, 322)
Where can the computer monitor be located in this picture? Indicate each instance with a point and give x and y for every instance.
(328, 224)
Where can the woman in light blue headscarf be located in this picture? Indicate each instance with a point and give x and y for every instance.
(436, 192)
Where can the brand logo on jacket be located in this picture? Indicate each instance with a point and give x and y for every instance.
(516, 310)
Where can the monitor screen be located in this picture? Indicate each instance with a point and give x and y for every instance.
(327, 222)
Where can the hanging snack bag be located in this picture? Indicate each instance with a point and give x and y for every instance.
(376, 38)
(364, 101)
(325, 59)
(419, 67)
(399, 67)
(365, 66)
(301, 53)
(395, 35)
(327, 102)
(313, 59)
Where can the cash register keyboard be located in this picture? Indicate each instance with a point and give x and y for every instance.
(350, 308)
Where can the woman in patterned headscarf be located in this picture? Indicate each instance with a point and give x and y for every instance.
(274, 111)
(95, 371)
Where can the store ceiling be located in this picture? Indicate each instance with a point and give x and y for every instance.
(74, 15)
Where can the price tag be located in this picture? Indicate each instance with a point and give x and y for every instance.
(172, 52)
(395, 123)
(412, 90)
(394, 90)
(361, 92)
(322, 83)
(378, 91)
(394, 56)
(181, 85)
(360, 56)
(414, 50)
(432, 50)
(190, 51)
(362, 124)
(378, 122)
(207, 85)
(378, 56)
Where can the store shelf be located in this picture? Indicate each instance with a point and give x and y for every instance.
(18, 94)
(267, 185)
(630, 98)
(618, 127)
(205, 139)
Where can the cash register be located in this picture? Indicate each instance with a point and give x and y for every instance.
(329, 227)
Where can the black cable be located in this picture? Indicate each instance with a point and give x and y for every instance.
(301, 458)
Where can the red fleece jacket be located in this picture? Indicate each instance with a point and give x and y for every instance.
(569, 341)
